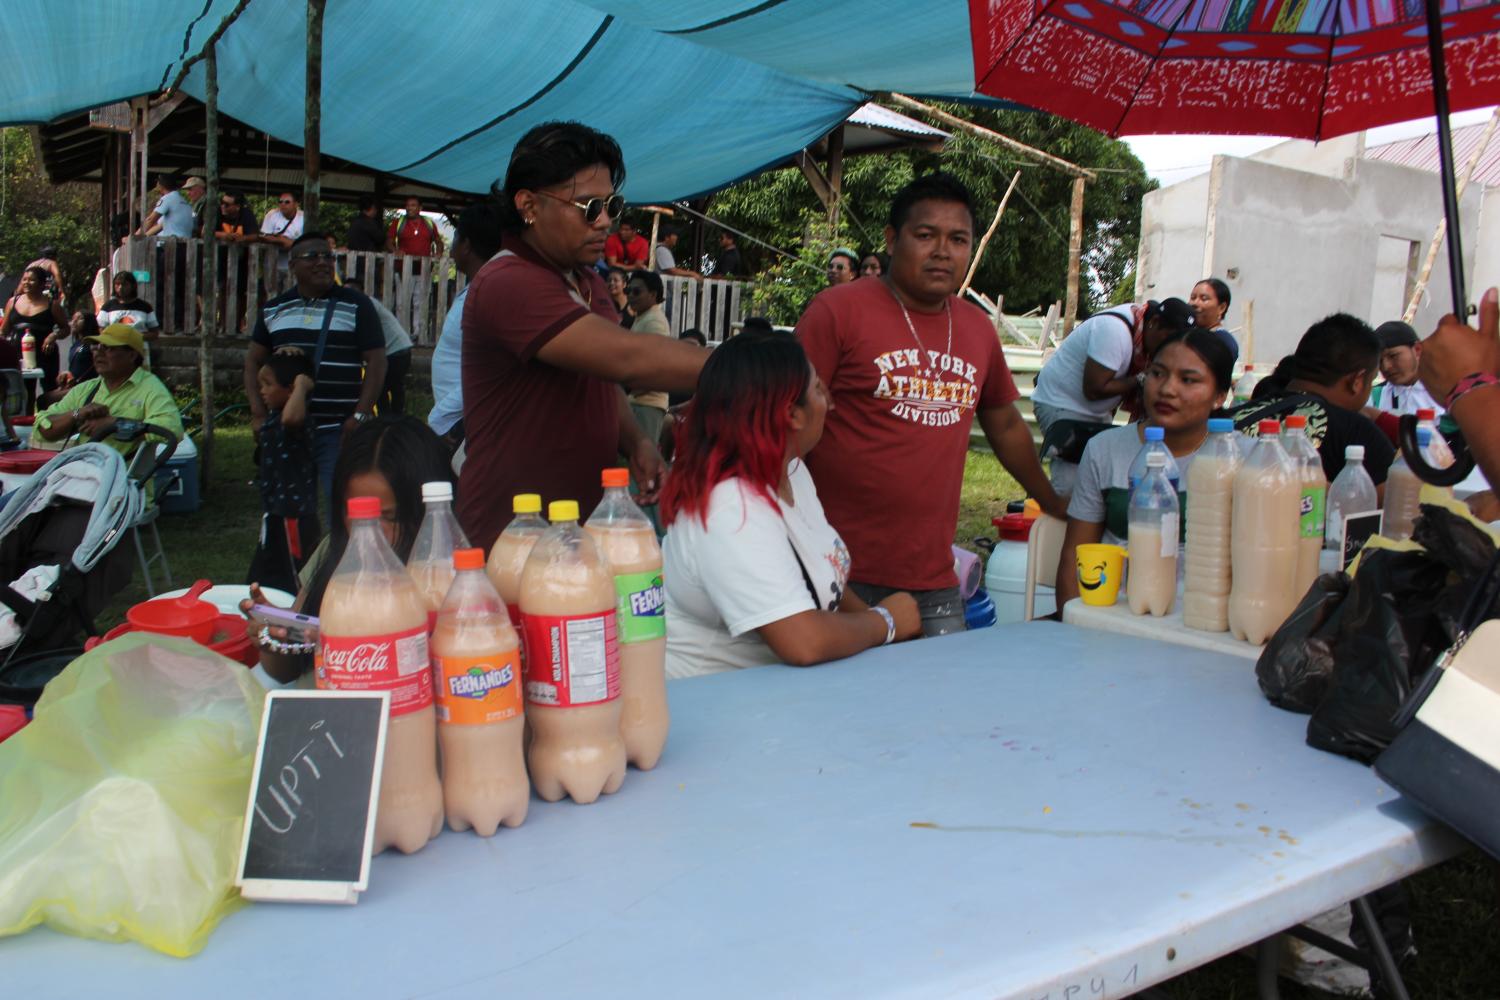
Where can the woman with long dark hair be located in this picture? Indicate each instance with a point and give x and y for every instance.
(31, 311)
(754, 573)
(544, 356)
(1210, 304)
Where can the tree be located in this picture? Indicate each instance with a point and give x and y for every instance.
(1026, 260)
(35, 213)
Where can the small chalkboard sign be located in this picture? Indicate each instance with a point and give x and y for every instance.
(1358, 528)
(310, 820)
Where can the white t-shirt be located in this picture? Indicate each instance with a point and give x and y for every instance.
(1404, 399)
(1103, 338)
(275, 224)
(742, 571)
(664, 259)
(396, 337)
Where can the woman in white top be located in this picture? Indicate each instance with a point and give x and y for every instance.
(754, 573)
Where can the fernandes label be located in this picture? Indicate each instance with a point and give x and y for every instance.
(477, 690)
(640, 603)
(571, 659)
(396, 662)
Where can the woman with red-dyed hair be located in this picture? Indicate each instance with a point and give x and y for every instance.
(754, 573)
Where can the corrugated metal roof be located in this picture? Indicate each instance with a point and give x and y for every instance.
(1422, 152)
(875, 116)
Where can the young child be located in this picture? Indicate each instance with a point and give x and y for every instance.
(289, 529)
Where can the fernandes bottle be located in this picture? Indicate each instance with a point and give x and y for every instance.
(431, 561)
(476, 666)
(508, 556)
(627, 540)
(373, 637)
(572, 663)
(1264, 539)
(1312, 499)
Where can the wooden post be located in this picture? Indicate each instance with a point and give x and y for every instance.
(313, 114)
(1075, 254)
(208, 323)
(835, 179)
(1442, 227)
(979, 252)
(1249, 349)
(1013, 145)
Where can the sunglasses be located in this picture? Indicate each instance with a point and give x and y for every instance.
(611, 206)
(315, 255)
(287, 201)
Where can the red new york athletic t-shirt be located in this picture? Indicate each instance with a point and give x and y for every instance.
(890, 466)
(530, 427)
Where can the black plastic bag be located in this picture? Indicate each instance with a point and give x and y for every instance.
(1295, 667)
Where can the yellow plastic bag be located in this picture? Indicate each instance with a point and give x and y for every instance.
(122, 804)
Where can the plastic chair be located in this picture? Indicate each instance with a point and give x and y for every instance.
(148, 520)
(1042, 550)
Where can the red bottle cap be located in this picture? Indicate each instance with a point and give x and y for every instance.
(1423, 414)
(1270, 427)
(1296, 420)
(615, 477)
(468, 558)
(364, 507)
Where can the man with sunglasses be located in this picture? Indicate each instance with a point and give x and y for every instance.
(626, 249)
(338, 328)
(281, 227)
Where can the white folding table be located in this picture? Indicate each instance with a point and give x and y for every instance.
(1030, 811)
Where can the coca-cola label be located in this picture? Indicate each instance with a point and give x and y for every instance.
(396, 662)
(571, 659)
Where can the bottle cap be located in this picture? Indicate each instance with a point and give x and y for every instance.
(562, 510)
(1424, 435)
(1156, 460)
(1220, 425)
(1354, 453)
(526, 503)
(1155, 434)
(363, 508)
(1426, 414)
(1269, 427)
(1296, 420)
(1249, 369)
(615, 477)
(437, 492)
(468, 558)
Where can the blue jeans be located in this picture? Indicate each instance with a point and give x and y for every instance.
(326, 442)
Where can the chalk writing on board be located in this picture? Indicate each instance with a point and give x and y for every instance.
(289, 778)
(1093, 987)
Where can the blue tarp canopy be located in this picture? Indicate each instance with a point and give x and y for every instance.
(699, 93)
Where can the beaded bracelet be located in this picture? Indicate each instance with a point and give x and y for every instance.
(266, 641)
(1471, 381)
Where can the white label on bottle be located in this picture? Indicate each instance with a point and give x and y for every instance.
(1169, 534)
(588, 661)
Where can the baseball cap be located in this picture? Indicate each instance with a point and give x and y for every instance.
(1395, 334)
(121, 335)
(1174, 316)
(194, 182)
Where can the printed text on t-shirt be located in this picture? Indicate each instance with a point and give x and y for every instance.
(930, 388)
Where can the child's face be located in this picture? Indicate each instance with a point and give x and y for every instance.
(272, 392)
(373, 484)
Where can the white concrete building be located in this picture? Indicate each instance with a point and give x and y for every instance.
(1306, 229)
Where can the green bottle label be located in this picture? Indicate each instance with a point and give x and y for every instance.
(640, 607)
(1313, 498)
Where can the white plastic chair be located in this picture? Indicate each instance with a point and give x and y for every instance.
(1042, 550)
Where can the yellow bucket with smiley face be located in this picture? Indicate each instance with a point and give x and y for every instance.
(1100, 570)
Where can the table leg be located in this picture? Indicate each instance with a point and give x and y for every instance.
(1385, 964)
(1267, 964)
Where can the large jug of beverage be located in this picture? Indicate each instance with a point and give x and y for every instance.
(1403, 491)
(1265, 527)
(572, 663)
(373, 637)
(28, 350)
(1312, 499)
(431, 561)
(476, 666)
(1151, 585)
(628, 541)
(1155, 444)
(1206, 569)
(1351, 492)
(508, 555)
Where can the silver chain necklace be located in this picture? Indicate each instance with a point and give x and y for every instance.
(947, 308)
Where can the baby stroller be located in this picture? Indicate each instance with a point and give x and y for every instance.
(60, 561)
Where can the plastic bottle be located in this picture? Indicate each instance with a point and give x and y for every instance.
(1313, 499)
(373, 636)
(431, 561)
(1244, 388)
(28, 350)
(1351, 492)
(628, 542)
(508, 555)
(1264, 538)
(1206, 571)
(476, 666)
(572, 663)
(1152, 583)
(1403, 492)
(1154, 444)
(1439, 455)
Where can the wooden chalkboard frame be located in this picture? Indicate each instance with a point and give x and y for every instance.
(307, 890)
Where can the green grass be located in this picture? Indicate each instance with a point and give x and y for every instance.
(1455, 911)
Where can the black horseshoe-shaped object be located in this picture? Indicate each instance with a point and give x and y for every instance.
(1463, 462)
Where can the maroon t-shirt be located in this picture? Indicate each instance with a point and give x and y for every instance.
(890, 466)
(530, 427)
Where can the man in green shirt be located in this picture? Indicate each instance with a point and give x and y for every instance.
(123, 390)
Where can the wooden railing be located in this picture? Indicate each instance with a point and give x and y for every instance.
(418, 290)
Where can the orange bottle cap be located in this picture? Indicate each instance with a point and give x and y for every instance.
(468, 558)
(615, 477)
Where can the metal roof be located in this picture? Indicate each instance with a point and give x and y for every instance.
(1422, 152)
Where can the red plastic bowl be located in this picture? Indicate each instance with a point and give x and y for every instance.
(185, 615)
(229, 639)
(25, 461)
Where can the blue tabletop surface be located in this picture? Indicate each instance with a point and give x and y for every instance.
(1025, 811)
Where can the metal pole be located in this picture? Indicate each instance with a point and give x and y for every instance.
(1445, 156)
(209, 322)
(313, 114)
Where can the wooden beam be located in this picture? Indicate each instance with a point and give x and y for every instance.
(835, 178)
(313, 114)
(1013, 145)
(208, 325)
(1441, 231)
(979, 252)
(815, 178)
(1075, 253)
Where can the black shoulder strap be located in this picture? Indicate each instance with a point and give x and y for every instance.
(323, 334)
(806, 577)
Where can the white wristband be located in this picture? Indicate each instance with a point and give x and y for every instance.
(890, 624)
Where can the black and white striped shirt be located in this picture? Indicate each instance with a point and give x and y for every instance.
(289, 320)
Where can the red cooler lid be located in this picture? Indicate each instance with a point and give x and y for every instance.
(1014, 527)
(25, 461)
